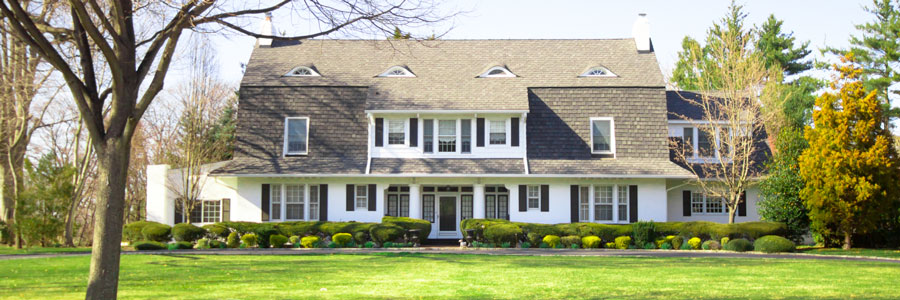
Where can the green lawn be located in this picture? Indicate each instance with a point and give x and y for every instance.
(4, 250)
(355, 276)
(888, 253)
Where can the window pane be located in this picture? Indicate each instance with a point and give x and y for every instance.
(490, 208)
(296, 136)
(392, 206)
(294, 194)
(314, 202)
(404, 205)
(503, 206)
(704, 144)
(466, 207)
(428, 207)
(275, 196)
(197, 213)
(603, 203)
(696, 203)
(447, 136)
(534, 196)
(428, 135)
(689, 141)
(622, 195)
(714, 205)
(396, 132)
(211, 211)
(361, 200)
(498, 132)
(600, 129)
(584, 199)
(466, 132)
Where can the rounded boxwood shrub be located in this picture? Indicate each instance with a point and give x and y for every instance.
(342, 239)
(132, 231)
(309, 241)
(591, 241)
(182, 245)
(263, 232)
(773, 244)
(570, 240)
(623, 242)
(676, 242)
(502, 233)
(551, 240)
(249, 240)
(216, 244)
(739, 245)
(203, 243)
(695, 243)
(534, 238)
(382, 233)
(157, 232)
(277, 241)
(665, 246)
(711, 245)
(216, 231)
(234, 240)
(423, 226)
(185, 232)
(149, 245)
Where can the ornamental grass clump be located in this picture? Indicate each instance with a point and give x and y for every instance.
(309, 241)
(695, 243)
(623, 242)
(773, 244)
(590, 242)
(551, 240)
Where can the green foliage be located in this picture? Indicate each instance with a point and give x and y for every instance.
(780, 201)
(157, 232)
(148, 245)
(711, 245)
(739, 245)
(525, 245)
(382, 233)
(369, 244)
(610, 245)
(41, 208)
(249, 239)
(500, 233)
(665, 246)
(342, 239)
(263, 232)
(695, 243)
(294, 240)
(277, 241)
(233, 240)
(649, 245)
(778, 49)
(216, 244)
(203, 243)
(591, 242)
(217, 231)
(685, 246)
(300, 228)
(724, 241)
(623, 242)
(479, 225)
(534, 238)
(186, 232)
(644, 232)
(181, 245)
(570, 240)
(773, 244)
(423, 226)
(309, 241)
(543, 245)
(551, 240)
(132, 231)
(677, 241)
(399, 35)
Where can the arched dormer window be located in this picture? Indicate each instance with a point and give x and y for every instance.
(302, 71)
(497, 71)
(397, 71)
(597, 72)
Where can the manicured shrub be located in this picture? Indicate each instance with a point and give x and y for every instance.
(300, 228)
(739, 245)
(643, 232)
(534, 238)
(263, 232)
(754, 230)
(665, 246)
(711, 245)
(216, 244)
(650, 245)
(241, 227)
(724, 241)
(623, 242)
(132, 231)
(148, 245)
(156, 232)
(309, 241)
(590, 242)
(182, 245)
(570, 240)
(342, 239)
(185, 232)
(382, 233)
(611, 245)
(233, 240)
(685, 246)
(773, 244)
(369, 244)
(695, 243)
(525, 245)
(277, 241)
(544, 245)
(500, 233)
(676, 242)
(249, 240)
(541, 230)
(361, 236)
(551, 240)
(216, 231)
(423, 226)
(203, 243)
(295, 241)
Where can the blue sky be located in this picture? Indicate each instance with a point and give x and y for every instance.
(820, 22)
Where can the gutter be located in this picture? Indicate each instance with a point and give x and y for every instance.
(426, 175)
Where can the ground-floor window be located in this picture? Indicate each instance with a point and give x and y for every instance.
(703, 204)
(397, 201)
(294, 196)
(293, 202)
(584, 203)
(206, 211)
(609, 202)
(466, 207)
(428, 208)
(496, 202)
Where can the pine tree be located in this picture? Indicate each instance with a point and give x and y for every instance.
(778, 48)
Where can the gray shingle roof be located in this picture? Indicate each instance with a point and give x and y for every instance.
(291, 166)
(446, 166)
(446, 70)
(623, 167)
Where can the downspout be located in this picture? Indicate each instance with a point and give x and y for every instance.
(525, 142)
(371, 122)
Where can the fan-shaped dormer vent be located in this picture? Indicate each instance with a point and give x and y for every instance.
(598, 72)
(497, 71)
(302, 72)
(397, 71)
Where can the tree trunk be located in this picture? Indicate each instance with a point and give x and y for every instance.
(8, 204)
(847, 240)
(70, 221)
(113, 170)
(732, 211)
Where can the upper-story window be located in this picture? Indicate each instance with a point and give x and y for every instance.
(704, 147)
(597, 72)
(397, 71)
(396, 132)
(497, 71)
(302, 71)
(603, 136)
(296, 135)
(447, 136)
(498, 132)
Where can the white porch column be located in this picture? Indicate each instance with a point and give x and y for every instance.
(478, 202)
(415, 201)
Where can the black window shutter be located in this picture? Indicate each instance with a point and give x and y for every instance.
(633, 203)
(523, 197)
(545, 197)
(351, 195)
(686, 203)
(742, 205)
(514, 131)
(573, 202)
(371, 197)
(379, 132)
(226, 210)
(179, 211)
(479, 132)
(265, 202)
(413, 132)
(323, 202)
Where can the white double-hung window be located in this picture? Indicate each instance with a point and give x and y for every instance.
(362, 199)
(294, 198)
(498, 132)
(396, 132)
(447, 136)
(534, 197)
(610, 203)
(603, 137)
(292, 202)
(296, 135)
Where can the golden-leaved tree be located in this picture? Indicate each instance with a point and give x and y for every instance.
(850, 167)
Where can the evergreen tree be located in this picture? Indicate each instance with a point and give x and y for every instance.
(42, 208)
(781, 189)
(778, 48)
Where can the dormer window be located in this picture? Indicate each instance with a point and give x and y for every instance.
(497, 71)
(302, 71)
(397, 71)
(597, 72)
(603, 136)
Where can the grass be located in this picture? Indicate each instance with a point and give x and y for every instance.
(6, 250)
(400, 275)
(886, 253)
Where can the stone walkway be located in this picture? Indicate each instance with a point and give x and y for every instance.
(457, 250)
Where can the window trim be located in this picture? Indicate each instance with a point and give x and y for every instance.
(357, 197)
(612, 135)
(282, 193)
(303, 201)
(587, 73)
(528, 197)
(456, 136)
(506, 73)
(202, 211)
(312, 72)
(387, 133)
(506, 132)
(287, 136)
(704, 201)
(406, 72)
(593, 202)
